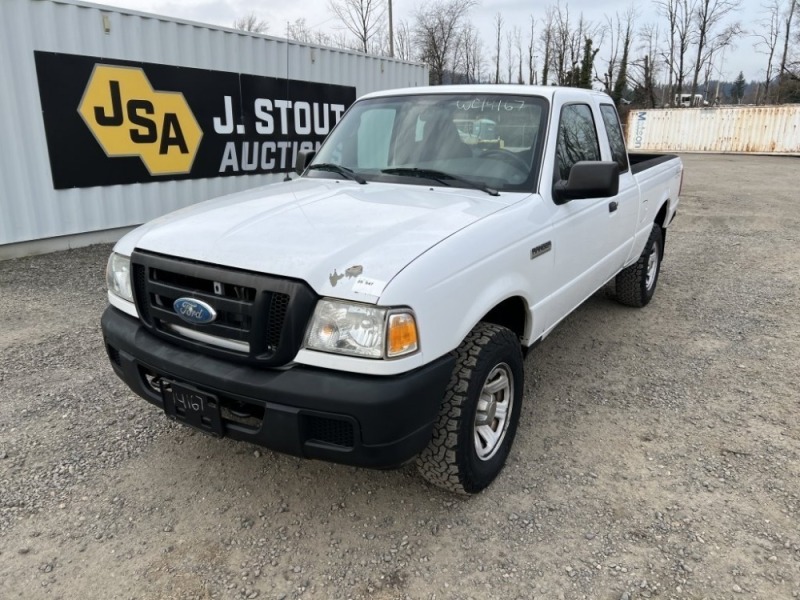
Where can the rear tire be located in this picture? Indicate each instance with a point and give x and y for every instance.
(636, 284)
(479, 415)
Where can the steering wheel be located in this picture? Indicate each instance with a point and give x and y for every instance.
(508, 157)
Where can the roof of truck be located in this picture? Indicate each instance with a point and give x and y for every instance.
(483, 88)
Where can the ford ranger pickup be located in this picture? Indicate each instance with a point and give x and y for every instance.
(376, 309)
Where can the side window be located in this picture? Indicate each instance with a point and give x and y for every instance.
(615, 138)
(577, 138)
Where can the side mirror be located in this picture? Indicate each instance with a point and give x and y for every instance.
(588, 179)
(304, 158)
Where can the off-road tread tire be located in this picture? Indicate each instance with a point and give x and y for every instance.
(630, 284)
(445, 461)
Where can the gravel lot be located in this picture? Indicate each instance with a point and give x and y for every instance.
(658, 454)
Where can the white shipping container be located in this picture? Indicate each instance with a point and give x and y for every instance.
(737, 129)
(113, 117)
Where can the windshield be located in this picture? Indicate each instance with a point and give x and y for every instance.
(487, 139)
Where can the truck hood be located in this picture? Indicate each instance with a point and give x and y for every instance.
(345, 240)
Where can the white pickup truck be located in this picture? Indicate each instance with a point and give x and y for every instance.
(377, 308)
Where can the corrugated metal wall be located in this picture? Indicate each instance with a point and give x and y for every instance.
(743, 129)
(30, 208)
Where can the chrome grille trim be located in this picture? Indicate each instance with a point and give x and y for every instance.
(205, 338)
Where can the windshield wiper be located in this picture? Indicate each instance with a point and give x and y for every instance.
(439, 176)
(343, 171)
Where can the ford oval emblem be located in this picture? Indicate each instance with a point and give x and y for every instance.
(194, 311)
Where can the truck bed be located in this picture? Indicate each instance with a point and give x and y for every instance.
(641, 161)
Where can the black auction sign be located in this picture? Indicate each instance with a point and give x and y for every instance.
(110, 122)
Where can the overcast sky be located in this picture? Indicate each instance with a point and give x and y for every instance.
(515, 12)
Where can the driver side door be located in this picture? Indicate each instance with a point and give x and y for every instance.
(585, 231)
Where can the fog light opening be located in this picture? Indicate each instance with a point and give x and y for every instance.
(153, 382)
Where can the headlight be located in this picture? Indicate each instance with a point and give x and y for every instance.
(118, 276)
(362, 330)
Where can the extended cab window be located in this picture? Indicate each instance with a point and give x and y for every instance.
(577, 138)
(615, 138)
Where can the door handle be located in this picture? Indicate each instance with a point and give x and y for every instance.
(612, 206)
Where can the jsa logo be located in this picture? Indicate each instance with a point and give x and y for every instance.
(129, 118)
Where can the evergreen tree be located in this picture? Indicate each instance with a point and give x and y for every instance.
(587, 65)
(622, 78)
(737, 92)
(621, 81)
(548, 42)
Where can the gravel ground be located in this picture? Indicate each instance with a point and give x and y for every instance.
(657, 456)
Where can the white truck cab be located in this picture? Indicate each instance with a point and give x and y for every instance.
(375, 309)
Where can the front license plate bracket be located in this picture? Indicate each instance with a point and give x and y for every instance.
(189, 405)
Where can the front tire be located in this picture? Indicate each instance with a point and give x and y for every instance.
(479, 414)
(636, 284)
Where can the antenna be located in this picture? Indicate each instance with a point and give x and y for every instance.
(391, 32)
(287, 178)
(287, 60)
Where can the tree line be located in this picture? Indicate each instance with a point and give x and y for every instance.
(666, 53)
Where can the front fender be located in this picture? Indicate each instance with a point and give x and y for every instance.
(454, 285)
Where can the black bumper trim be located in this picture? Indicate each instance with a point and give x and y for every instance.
(392, 416)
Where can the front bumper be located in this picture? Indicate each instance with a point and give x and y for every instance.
(363, 420)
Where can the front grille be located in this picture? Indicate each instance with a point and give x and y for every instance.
(140, 290)
(259, 318)
(278, 307)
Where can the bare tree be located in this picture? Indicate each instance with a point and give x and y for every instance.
(644, 70)
(613, 53)
(470, 60)
(363, 18)
(300, 31)
(568, 53)
(403, 40)
(531, 55)
(621, 35)
(767, 42)
(517, 35)
(686, 10)
(339, 39)
(251, 23)
(510, 55)
(498, 27)
(707, 72)
(708, 15)
(669, 8)
(784, 72)
(680, 15)
(437, 29)
(547, 43)
(559, 55)
(379, 43)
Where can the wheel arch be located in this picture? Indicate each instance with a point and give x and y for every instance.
(512, 313)
(661, 221)
(661, 215)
